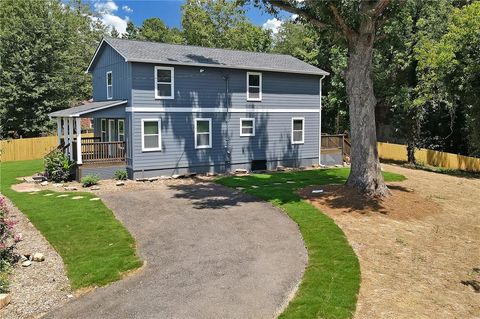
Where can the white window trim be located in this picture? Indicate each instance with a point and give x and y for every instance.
(303, 130)
(103, 124)
(259, 87)
(241, 126)
(111, 85)
(152, 149)
(118, 130)
(172, 83)
(110, 121)
(209, 133)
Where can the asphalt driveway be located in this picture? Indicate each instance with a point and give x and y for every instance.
(210, 252)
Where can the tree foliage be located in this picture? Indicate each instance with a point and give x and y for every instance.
(221, 24)
(45, 48)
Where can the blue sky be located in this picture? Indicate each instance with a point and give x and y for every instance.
(117, 12)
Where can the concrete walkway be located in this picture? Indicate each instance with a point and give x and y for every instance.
(210, 252)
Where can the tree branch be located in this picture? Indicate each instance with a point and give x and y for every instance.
(284, 5)
(379, 8)
(341, 23)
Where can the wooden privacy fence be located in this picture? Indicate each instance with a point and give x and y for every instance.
(28, 148)
(398, 152)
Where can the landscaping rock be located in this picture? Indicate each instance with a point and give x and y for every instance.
(241, 171)
(153, 179)
(280, 168)
(49, 194)
(38, 178)
(29, 179)
(77, 197)
(165, 177)
(44, 183)
(70, 188)
(23, 258)
(5, 300)
(119, 183)
(57, 185)
(95, 188)
(26, 263)
(175, 176)
(143, 179)
(94, 199)
(39, 257)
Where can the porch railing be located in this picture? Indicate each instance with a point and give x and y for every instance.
(101, 152)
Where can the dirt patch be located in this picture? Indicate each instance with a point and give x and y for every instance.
(404, 203)
(416, 249)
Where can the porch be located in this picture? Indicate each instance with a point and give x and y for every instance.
(107, 146)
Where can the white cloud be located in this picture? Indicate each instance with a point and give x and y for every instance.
(127, 9)
(294, 16)
(272, 24)
(107, 10)
(105, 7)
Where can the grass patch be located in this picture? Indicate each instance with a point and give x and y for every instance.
(331, 281)
(96, 248)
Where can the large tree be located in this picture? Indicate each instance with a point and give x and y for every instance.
(357, 23)
(45, 47)
(221, 24)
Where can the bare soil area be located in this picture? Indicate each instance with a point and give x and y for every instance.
(415, 247)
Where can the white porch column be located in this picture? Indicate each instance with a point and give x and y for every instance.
(59, 130)
(79, 140)
(70, 138)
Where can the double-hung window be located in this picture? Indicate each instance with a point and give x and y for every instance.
(298, 130)
(247, 127)
(103, 130)
(254, 86)
(151, 136)
(121, 130)
(203, 133)
(109, 85)
(164, 82)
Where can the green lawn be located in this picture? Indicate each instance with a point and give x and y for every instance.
(332, 278)
(94, 245)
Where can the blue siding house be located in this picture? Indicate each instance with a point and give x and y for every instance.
(163, 109)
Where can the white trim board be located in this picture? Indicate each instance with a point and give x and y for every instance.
(137, 109)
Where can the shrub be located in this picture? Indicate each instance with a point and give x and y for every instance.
(121, 175)
(90, 180)
(58, 167)
(8, 241)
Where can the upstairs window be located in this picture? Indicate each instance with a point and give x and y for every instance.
(151, 137)
(164, 82)
(109, 85)
(247, 127)
(203, 133)
(254, 86)
(298, 130)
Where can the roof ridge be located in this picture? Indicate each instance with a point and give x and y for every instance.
(203, 47)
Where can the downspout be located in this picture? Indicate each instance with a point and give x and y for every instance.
(228, 157)
(320, 124)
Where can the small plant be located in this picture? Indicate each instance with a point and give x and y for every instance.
(90, 180)
(121, 175)
(58, 167)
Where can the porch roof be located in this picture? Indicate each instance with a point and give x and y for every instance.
(80, 110)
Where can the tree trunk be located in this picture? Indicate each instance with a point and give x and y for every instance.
(410, 152)
(365, 174)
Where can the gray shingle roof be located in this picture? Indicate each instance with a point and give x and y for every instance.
(154, 52)
(76, 111)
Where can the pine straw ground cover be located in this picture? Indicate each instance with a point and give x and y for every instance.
(95, 247)
(331, 281)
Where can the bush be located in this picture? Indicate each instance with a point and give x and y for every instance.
(58, 167)
(8, 241)
(121, 175)
(90, 180)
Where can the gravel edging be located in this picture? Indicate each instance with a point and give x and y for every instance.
(40, 287)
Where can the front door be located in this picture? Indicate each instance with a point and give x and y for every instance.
(111, 136)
